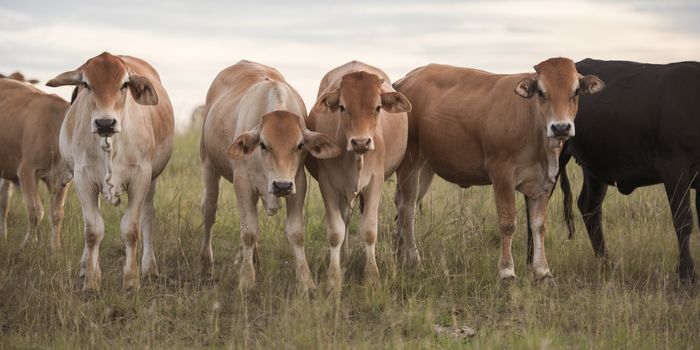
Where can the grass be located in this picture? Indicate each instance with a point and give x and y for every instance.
(638, 303)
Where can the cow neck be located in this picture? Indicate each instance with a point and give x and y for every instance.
(106, 144)
(354, 170)
(551, 148)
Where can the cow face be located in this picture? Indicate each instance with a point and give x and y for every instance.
(359, 100)
(281, 142)
(104, 85)
(556, 87)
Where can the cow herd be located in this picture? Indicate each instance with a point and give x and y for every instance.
(470, 127)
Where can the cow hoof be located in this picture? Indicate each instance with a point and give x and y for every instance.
(305, 288)
(206, 266)
(687, 275)
(546, 280)
(372, 277)
(411, 260)
(88, 295)
(335, 283)
(507, 274)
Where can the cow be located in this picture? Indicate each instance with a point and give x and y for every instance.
(254, 135)
(117, 137)
(18, 76)
(31, 121)
(642, 130)
(360, 110)
(475, 128)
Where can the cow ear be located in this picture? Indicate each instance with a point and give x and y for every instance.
(526, 88)
(395, 102)
(320, 145)
(243, 145)
(328, 102)
(33, 81)
(68, 78)
(590, 84)
(2, 76)
(142, 90)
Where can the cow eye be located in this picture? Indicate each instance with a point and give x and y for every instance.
(577, 92)
(342, 108)
(84, 85)
(125, 85)
(263, 146)
(540, 93)
(300, 147)
(379, 108)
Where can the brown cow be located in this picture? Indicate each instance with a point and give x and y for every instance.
(31, 121)
(477, 128)
(19, 77)
(117, 137)
(254, 136)
(358, 108)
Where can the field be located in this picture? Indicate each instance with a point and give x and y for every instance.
(638, 303)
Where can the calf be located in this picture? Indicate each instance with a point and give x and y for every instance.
(117, 136)
(472, 127)
(359, 109)
(254, 135)
(31, 121)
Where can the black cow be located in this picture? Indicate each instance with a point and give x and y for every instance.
(643, 129)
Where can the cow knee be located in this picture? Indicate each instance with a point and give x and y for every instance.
(507, 228)
(335, 239)
(370, 237)
(248, 238)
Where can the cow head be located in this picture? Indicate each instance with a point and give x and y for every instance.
(282, 141)
(19, 77)
(360, 99)
(556, 87)
(104, 85)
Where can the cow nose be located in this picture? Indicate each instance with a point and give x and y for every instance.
(282, 187)
(105, 125)
(561, 129)
(361, 144)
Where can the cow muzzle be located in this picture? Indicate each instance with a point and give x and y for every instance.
(561, 130)
(282, 188)
(105, 126)
(360, 145)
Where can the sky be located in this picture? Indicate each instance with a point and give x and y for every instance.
(189, 42)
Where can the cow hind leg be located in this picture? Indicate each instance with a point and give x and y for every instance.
(5, 197)
(677, 187)
(35, 210)
(209, 207)
(94, 230)
(148, 257)
(131, 229)
(59, 192)
(537, 222)
(408, 195)
(247, 206)
(504, 191)
(590, 204)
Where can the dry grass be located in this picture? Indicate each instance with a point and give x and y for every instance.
(638, 303)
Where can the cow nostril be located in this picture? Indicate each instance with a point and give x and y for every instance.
(568, 127)
(114, 122)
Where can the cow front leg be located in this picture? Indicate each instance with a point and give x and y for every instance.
(209, 206)
(368, 228)
(504, 191)
(247, 200)
(94, 231)
(335, 233)
(294, 228)
(5, 196)
(131, 229)
(590, 204)
(537, 213)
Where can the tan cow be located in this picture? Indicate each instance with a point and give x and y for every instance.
(476, 128)
(19, 77)
(254, 135)
(117, 136)
(31, 121)
(359, 109)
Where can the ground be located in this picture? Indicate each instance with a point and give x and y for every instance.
(637, 303)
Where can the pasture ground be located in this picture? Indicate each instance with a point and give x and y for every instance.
(638, 303)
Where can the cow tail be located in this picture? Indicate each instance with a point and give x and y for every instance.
(566, 189)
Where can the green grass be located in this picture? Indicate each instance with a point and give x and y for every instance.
(638, 303)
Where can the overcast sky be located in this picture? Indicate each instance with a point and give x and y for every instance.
(189, 42)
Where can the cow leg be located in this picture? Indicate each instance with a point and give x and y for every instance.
(5, 196)
(94, 231)
(408, 194)
(294, 228)
(35, 210)
(247, 207)
(369, 227)
(148, 257)
(209, 206)
(335, 232)
(131, 228)
(504, 191)
(537, 218)
(590, 204)
(677, 187)
(59, 192)
(530, 248)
